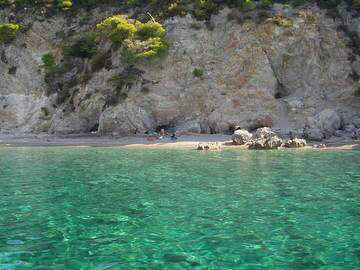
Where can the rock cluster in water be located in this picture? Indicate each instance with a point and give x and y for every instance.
(265, 138)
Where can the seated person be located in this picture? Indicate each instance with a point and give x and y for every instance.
(173, 137)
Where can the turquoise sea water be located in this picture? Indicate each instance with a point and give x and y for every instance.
(115, 208)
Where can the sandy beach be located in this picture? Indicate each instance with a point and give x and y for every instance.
(184, 141)
(189, 141)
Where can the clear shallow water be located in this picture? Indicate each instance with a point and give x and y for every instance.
(108, 208)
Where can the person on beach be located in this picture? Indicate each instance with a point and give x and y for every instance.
(173, 137)
(162, 134)
(151, 136)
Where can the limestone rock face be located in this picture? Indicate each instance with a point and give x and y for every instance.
(125, 119)
(329, 121)
(314, 134)
(241, 137)
(356, 65)
(356, 122)
(356, 134)
(349, 128)
(188, 126)
(323, 125)
(254, 75)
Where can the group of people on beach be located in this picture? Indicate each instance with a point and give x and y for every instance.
(153, 136)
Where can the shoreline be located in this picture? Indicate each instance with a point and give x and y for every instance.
(189, 141)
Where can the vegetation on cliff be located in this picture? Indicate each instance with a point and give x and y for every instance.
(48, 60)
(201, 9)
(135, 41)
(8, 32)
(198, 73)
(138, 41)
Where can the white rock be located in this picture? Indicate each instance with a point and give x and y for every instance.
(264, 133)
(241, 136)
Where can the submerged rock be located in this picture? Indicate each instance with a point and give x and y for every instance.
(175, 257)
(209, 146)
(241, 136)
(15, 242)
(179, 258)
(321, 145)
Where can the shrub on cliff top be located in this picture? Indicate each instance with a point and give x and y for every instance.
(6, 2)
(139, 41)
(176, 9)
(64, 4)
(8, 32)
(203, 9)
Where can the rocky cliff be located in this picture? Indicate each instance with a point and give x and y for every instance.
(298, 75)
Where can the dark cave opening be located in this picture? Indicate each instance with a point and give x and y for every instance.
(166, 128)
(94, 128)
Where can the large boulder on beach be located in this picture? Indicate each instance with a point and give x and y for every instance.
(257, 144)
(273, 143)
(265, 138)
(241, 136)
(264, 133)
(295, 143)
(266, 144)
